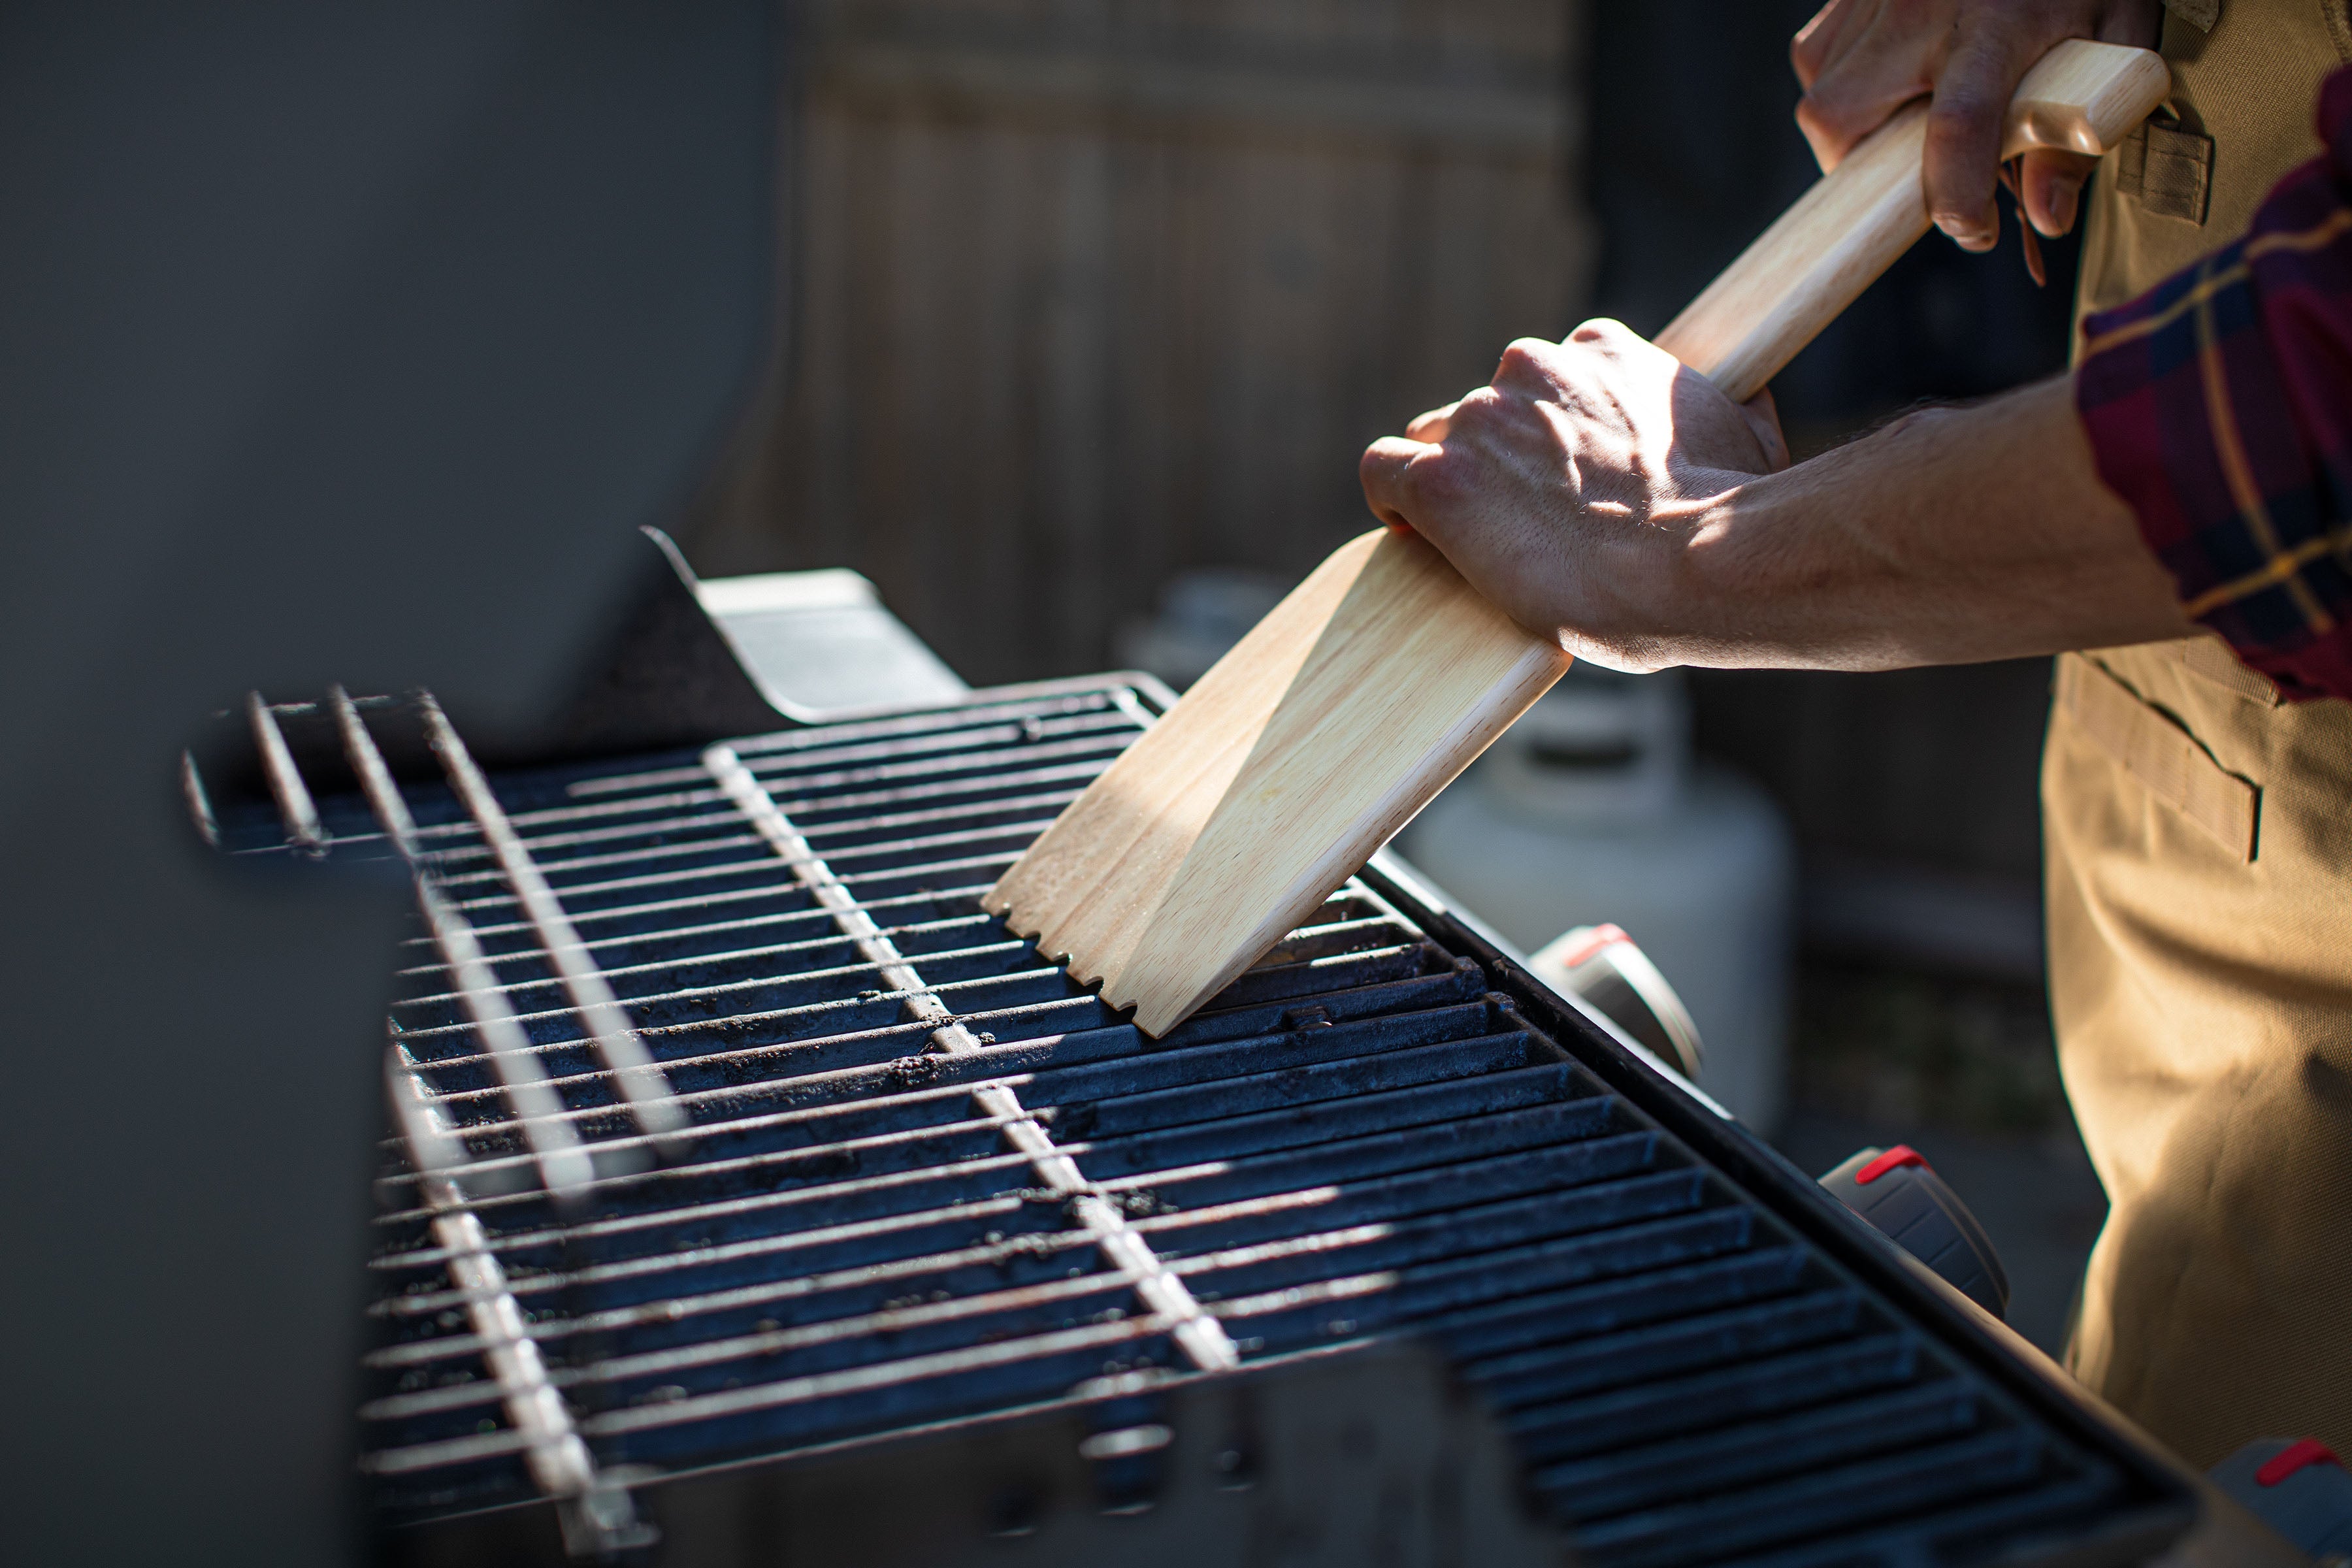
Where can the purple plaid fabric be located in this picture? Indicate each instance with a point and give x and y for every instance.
(2219, 405)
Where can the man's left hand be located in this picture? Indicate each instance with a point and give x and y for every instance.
(1573, 477)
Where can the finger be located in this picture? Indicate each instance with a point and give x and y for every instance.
(2139, 23)
(1626, 349)
(1386, 471)
(1531, 367)
(1847, 105)
(1764, 419)
(1963, 153)
(1836, 30)
(2051, 185)
(1607, 331)
(1432, 426)
(1623, 344)
(1815, 44)
(1870, 71)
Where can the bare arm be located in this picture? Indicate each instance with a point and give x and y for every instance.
(1604, 495)
(1955, 534)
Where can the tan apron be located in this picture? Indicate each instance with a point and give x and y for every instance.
(2198, 844)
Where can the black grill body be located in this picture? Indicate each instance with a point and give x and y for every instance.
(933, 1184)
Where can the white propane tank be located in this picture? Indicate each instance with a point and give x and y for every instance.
(1589, 812)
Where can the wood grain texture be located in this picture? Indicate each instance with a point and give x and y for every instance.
(1384, 674)
(1293, 759)
(2085, 97)
(1821, 254)
(1814, 261)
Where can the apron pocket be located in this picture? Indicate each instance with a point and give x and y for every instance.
(2154, 748)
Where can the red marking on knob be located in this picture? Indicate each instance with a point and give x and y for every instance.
(1895, 1159)
(2299, 1454)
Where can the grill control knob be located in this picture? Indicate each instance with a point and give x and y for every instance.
(2298, 1488)
(1899, 1193)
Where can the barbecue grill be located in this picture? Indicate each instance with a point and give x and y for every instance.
(732, 1141)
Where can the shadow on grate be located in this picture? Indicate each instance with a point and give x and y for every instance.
(730, 1128)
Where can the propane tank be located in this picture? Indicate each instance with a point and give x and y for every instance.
(1590, 812)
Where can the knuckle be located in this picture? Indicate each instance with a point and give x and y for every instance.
(1961, 111)
(1523, 355)
(1825, 109)
(1438, 482)
(1476, 408)
(1385, 471)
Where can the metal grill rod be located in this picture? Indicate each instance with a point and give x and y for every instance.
(1201, 1337)
(708, 900)
(595, 1514)
(640, 1081)
(623, 1226)
(987, 1120)
(1045, 704)
(672, 844)
(804, 1011)
(578, 863)
(791, 1391)
(563, 1164)
(1046, 802)
(692, 993)
(637, 815)
(967, 731)
(965, 864)
(858, 1330)
(594, 1511)
(1011, 831)
(808, 1117)
(934, 777)
(417, 1303)
(199, 804)
(774, 952)
(747, 923)
(931, 784)
(560, 1462)
(299, 812)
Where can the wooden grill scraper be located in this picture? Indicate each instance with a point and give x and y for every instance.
(1383, 674)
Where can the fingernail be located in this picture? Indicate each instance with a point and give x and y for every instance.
(2064, 195)
(1968, 233)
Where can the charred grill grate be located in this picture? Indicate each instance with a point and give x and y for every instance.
(730, 1127)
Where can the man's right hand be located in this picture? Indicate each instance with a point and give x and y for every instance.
(1861, 60)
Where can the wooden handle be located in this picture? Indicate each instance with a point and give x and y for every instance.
(1849, 227)
(1383, 674)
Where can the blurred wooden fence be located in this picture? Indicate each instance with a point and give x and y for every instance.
(1089, 291)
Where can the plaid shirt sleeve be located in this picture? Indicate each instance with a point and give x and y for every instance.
(2219, 405)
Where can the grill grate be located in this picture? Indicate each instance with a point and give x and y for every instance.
(730, 1127)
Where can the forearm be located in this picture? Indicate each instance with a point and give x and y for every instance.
(1955, 534)
(1600, 493)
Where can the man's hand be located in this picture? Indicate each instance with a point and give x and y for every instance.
(1861, 60)
(1576, 467)
(1605, 497)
